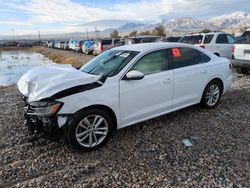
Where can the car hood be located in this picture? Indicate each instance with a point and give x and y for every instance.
(43, 82)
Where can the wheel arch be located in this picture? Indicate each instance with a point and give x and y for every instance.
(104, 108)
(217, 79)
(216, 53)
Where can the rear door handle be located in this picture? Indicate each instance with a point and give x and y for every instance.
(204, 71)
(167, 80)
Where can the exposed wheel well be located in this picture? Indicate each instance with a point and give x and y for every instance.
(219, 81)
(217, 54)
(106, 109)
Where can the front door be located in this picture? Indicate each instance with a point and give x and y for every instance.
(150, 96)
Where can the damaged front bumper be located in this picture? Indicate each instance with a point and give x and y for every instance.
(42, 123)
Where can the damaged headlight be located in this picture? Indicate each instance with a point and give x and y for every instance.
(41, 108)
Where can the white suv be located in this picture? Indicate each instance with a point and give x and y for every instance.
(121, 87)
(241, 53)
(219, 43)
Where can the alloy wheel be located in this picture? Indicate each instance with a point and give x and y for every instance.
(212, 95)
(91, 130)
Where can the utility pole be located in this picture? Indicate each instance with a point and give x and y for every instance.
(39, 36)
(13, 34)
(95, 33)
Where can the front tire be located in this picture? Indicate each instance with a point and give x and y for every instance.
(89, 130)
(212, 94)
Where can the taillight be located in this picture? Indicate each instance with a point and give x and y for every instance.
(101, 47)
(233, 50)
(203, 46)
(231, 64)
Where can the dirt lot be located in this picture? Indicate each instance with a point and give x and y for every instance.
(149, 154)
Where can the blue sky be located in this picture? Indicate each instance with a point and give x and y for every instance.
(62, 16)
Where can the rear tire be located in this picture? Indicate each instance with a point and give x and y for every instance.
(89, 130)
(211, 94)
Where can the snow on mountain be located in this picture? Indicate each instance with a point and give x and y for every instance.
(189, 24)
(131, 26)
(234, 20)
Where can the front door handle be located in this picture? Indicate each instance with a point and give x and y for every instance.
(204, 71)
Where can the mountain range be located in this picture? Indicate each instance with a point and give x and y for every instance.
(233, 21)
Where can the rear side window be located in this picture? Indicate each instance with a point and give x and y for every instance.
(231, 39)
(245, 38)
(193, 39)
(222, 39)
(208, 39)
(153, 62)
(106, 42)
(183, 57)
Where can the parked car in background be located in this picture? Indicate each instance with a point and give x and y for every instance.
(2, 44)
(57, 44)
(62, 44)
(78, 45)
(219, 43)
(121, 42)
(12, 44)
(66, 45)
(142, 39)
(241, 53)
(88, 47)
(51, 44)
(72, 44)
(170, 39)
(101, 46)
(119, 88)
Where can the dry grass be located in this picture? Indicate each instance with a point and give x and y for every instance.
(57, 55)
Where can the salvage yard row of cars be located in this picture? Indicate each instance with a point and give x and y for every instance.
(219, 43)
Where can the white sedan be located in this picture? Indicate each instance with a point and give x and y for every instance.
(121, 87)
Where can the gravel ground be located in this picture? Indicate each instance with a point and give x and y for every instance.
(150, 154)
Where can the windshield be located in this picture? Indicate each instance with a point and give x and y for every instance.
(109, 63)
(245, 38)
(193, 39)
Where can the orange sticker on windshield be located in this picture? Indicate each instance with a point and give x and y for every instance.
(176, 52)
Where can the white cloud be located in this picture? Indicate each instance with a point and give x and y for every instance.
(50, 11)
(15, 23)
(72, 14)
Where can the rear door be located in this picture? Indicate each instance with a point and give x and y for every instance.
(150, 96)
(106, 44)
(242, 48)
(224, 45)
(191, 73)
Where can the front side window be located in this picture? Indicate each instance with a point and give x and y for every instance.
(153, 62)
(222, 39)
(192, 39)
(109, 63)
(183, 57)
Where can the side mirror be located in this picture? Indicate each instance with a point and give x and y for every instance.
(134, 75)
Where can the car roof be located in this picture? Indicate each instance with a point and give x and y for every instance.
(209, 33)
(144, 47)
